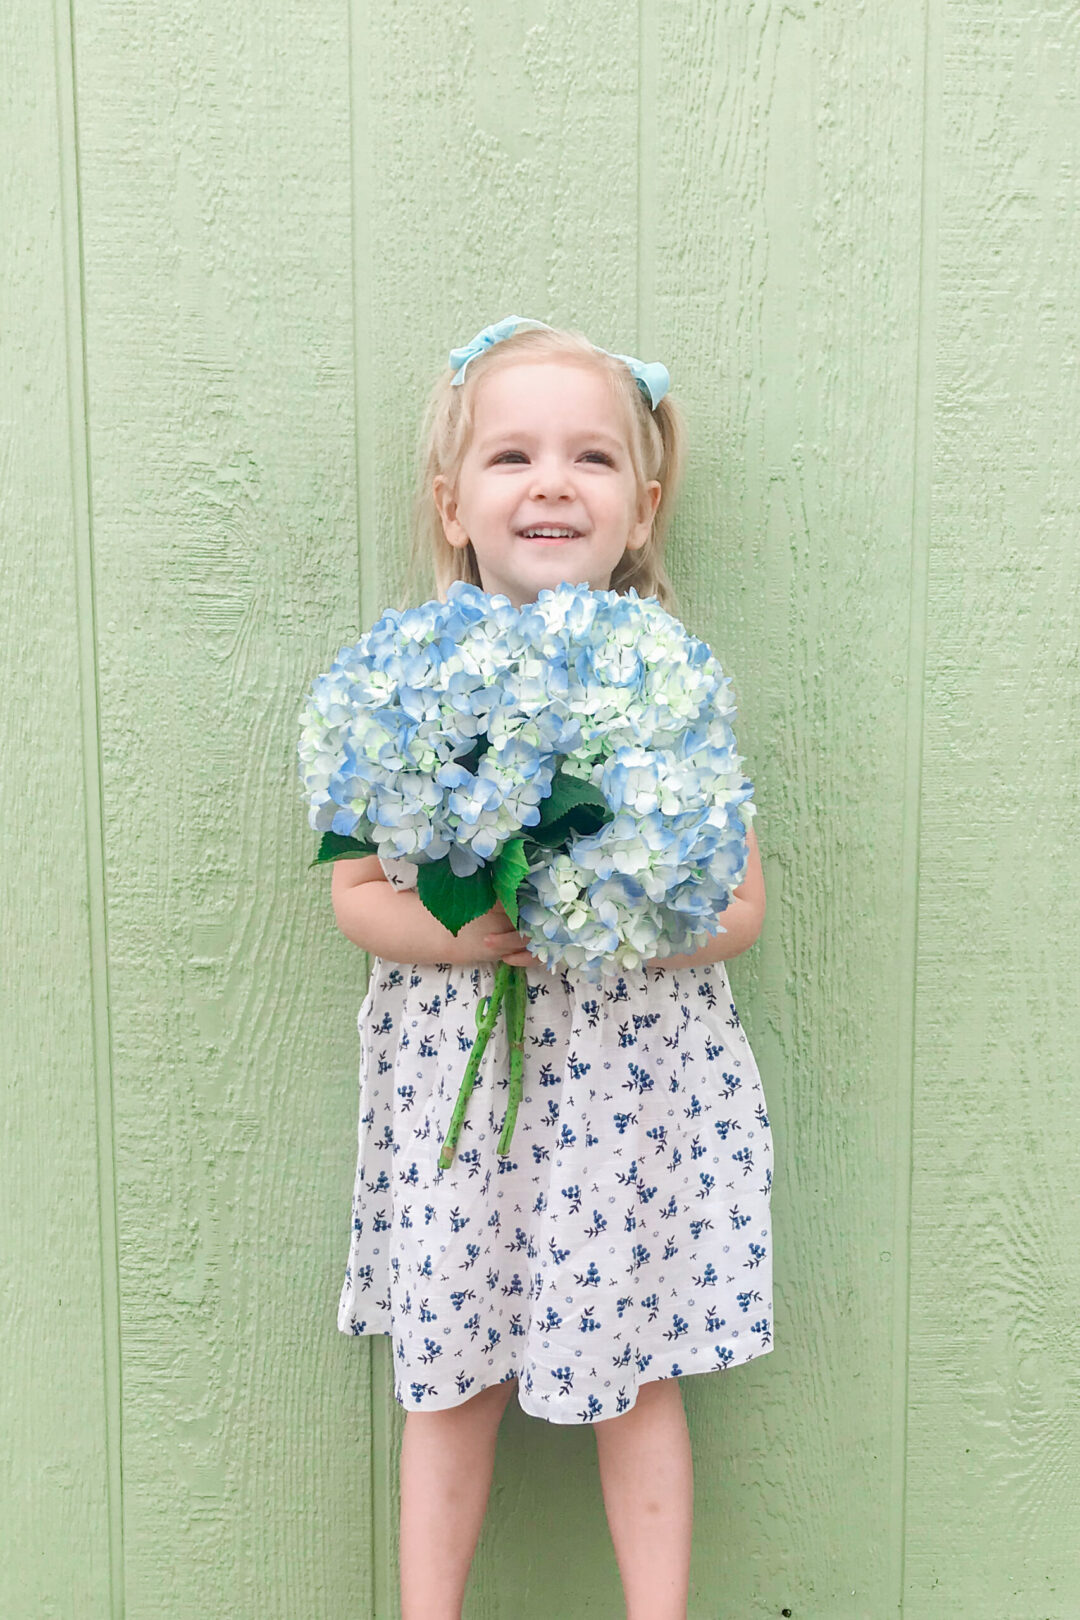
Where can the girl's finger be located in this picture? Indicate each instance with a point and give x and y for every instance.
(526, 959)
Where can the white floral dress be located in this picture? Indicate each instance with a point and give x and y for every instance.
(626, 1235)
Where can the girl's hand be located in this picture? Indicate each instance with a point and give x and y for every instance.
(505, 943)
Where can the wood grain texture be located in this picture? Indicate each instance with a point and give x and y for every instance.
(994, 1437)
(851, 234)
(782, 246)
(58, 1345)
(498, 173)
(497, 169)
(216, 207)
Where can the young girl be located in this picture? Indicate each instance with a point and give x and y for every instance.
(624, 1242)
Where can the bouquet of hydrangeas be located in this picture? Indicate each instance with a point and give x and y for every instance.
(572, 758)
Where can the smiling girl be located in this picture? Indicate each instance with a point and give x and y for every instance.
(625, 1242)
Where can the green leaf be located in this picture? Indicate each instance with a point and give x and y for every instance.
(336, 847)
(471, 760)
(581, 818)
(566, 793)
(507, 873)
(572, 806)
(454, 900)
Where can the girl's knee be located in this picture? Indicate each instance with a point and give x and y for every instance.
(501, 1394)
(658, 1392)
(492, 1396)
(489, 1405)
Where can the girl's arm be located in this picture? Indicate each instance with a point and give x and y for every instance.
(396, 925)
(741, 918)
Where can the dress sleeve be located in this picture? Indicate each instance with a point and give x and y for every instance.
(401, 873)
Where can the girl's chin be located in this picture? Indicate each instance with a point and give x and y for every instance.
(550, 566)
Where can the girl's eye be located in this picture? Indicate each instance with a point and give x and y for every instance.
(597, 455)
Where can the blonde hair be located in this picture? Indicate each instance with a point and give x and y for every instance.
(656, 441)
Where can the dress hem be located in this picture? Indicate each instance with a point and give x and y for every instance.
(542, 1412)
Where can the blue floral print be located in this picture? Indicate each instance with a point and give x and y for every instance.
(626, 1236)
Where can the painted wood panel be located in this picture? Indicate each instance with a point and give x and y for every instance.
(215, 194)
(58, 1344)
(994, 1392)
(498, 164)
(782, 216)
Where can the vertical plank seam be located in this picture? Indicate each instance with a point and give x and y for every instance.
(638, 291)
(642, 339)
(360, 203)
(918, 618)
(382, 1583)
(74, 270)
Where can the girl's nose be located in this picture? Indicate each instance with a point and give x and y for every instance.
(551, 479)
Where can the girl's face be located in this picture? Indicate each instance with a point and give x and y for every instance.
(548, 450)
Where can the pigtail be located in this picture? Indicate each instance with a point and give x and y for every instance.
(645, 570)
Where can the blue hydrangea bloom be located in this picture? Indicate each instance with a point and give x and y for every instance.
(439, 734)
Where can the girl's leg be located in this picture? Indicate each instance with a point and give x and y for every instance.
(446, 1464)
(647, 1477)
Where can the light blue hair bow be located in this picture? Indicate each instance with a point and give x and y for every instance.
(652, 377)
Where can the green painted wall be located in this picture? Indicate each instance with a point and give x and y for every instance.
(237, 241)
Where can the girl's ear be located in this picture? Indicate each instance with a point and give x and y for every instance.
(446, 503)
(648, 501)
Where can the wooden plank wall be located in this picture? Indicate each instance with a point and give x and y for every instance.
(240, 243)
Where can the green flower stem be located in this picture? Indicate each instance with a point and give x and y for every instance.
(516, 1000)
(487, 1012)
